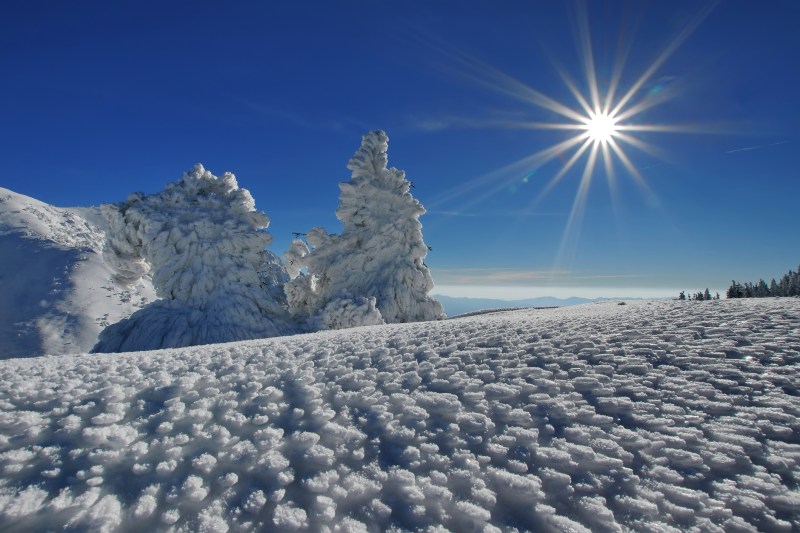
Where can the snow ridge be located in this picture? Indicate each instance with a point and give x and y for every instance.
(39, 221)
(56, 292)
(653, 416)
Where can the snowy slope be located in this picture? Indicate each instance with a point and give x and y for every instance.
(653, 416)
(56, 292)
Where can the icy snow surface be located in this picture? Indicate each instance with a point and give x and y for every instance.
(56, 291)
(649, 416)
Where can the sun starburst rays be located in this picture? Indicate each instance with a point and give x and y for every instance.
(602, 123)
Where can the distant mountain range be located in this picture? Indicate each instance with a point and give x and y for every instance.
(459, 306)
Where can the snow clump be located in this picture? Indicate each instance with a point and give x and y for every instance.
(202, 242)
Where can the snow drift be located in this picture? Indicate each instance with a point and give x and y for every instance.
(56, 291)
(653, 416)
(373, 272)
(201, 240)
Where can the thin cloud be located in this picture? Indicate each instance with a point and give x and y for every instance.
(509, 276)
(757, 147)
(435, 124)
(496, 276)
(479, 117)
(454, 213)
(302, 122)
(493, 213)
(432, 124)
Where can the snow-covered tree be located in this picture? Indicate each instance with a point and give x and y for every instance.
(789, 285)
(202, 242)
(374, 270)
(773, 288)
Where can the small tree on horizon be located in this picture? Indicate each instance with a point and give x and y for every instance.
(788, 285)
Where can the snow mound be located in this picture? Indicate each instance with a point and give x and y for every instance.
(379, 255)
(56, 291)
(653, 416)
(202, 242)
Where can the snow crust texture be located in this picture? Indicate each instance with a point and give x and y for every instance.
(665, 416)
(200, 240)
(373, 272)
(56, 291)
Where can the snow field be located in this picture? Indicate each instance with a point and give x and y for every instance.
(653, 416)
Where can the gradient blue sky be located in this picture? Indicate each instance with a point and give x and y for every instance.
(99, 99)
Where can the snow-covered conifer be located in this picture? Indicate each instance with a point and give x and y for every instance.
(202, 242)
(377, 258)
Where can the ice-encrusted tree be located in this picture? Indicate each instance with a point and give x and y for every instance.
(374, 270)
(202, 241)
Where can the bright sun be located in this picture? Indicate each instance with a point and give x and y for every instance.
(601, 127)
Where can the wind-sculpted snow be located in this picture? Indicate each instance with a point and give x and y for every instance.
(56, 292)
(200, 240)
(650, 416)
(379, 254)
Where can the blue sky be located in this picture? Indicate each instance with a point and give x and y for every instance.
(104, 98)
